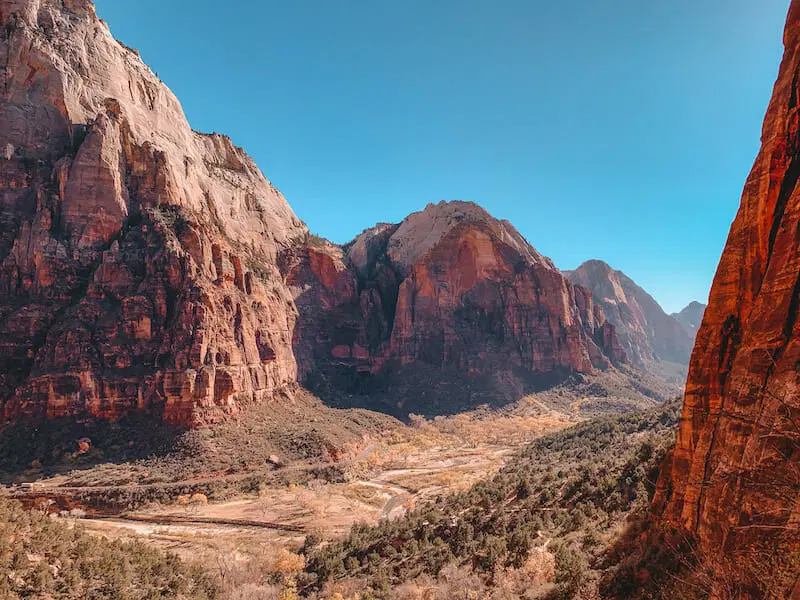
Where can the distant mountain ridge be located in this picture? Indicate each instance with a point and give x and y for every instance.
(691, 317)
(646, 332)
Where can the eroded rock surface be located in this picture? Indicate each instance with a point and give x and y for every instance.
(147, 267)
(450, 291)
(690, 318)
(137, 257)
(733, 480)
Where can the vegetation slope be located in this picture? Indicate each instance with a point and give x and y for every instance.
(539, 528)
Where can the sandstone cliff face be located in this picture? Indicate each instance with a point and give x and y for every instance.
(645, 331)
(690, 318)
(147, 267)
(734, 475)
(138, 258)
(450, 291)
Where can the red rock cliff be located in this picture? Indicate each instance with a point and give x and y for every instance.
(733, 479)
(144, 266)
(137, 257)
(450, 294)
(645, 331)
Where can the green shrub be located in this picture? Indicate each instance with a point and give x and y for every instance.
(42, 557)
(565, 488)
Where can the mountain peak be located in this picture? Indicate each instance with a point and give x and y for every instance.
(595, 263)
(691, 317)
(645, 331)
(422, 231)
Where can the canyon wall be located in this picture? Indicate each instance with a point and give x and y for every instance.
(450, 303)
(646, 332)
(690, 318)
(147, 267)
(733, 479)
(137, 257)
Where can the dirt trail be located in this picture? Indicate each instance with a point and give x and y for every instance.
(195, 520)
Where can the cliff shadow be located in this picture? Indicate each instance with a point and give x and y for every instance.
(30, 450)
(426, 390)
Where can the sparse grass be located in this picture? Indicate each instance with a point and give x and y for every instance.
(315, 241)
(365, 494)
(173, 218)
(490, 428)
(452, 479)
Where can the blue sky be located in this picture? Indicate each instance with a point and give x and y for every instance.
(621, 130)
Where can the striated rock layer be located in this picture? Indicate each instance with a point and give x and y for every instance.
(733, 479)
(137, 257)
(449, 300)
(645, 331)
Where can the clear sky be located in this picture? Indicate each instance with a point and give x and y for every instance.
(621, 130)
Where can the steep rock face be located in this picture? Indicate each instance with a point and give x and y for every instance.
(690, 318)
(138, 258)
(732, 479)
(645, 331)
(450, 289)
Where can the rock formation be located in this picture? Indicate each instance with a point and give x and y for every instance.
(448, 302)
(733, 479)
(148, 267)
(645, 331)
(690, 318)
(137, 257)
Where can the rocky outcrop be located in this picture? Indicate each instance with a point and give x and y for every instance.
(733, 478)
(450, 294)
(148, 267)
(138, 258)
(645, 331)
(690, 318)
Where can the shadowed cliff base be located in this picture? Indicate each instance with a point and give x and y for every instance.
(651, 560)
(33, 450)
(141, 452)
(433, 391)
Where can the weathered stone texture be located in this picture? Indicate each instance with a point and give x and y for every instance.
(449, 288)
(733, 478)
(138, 258)
(645, 331)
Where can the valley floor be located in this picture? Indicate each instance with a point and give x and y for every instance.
(244, 500)
(252, 525)
(240, 536)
